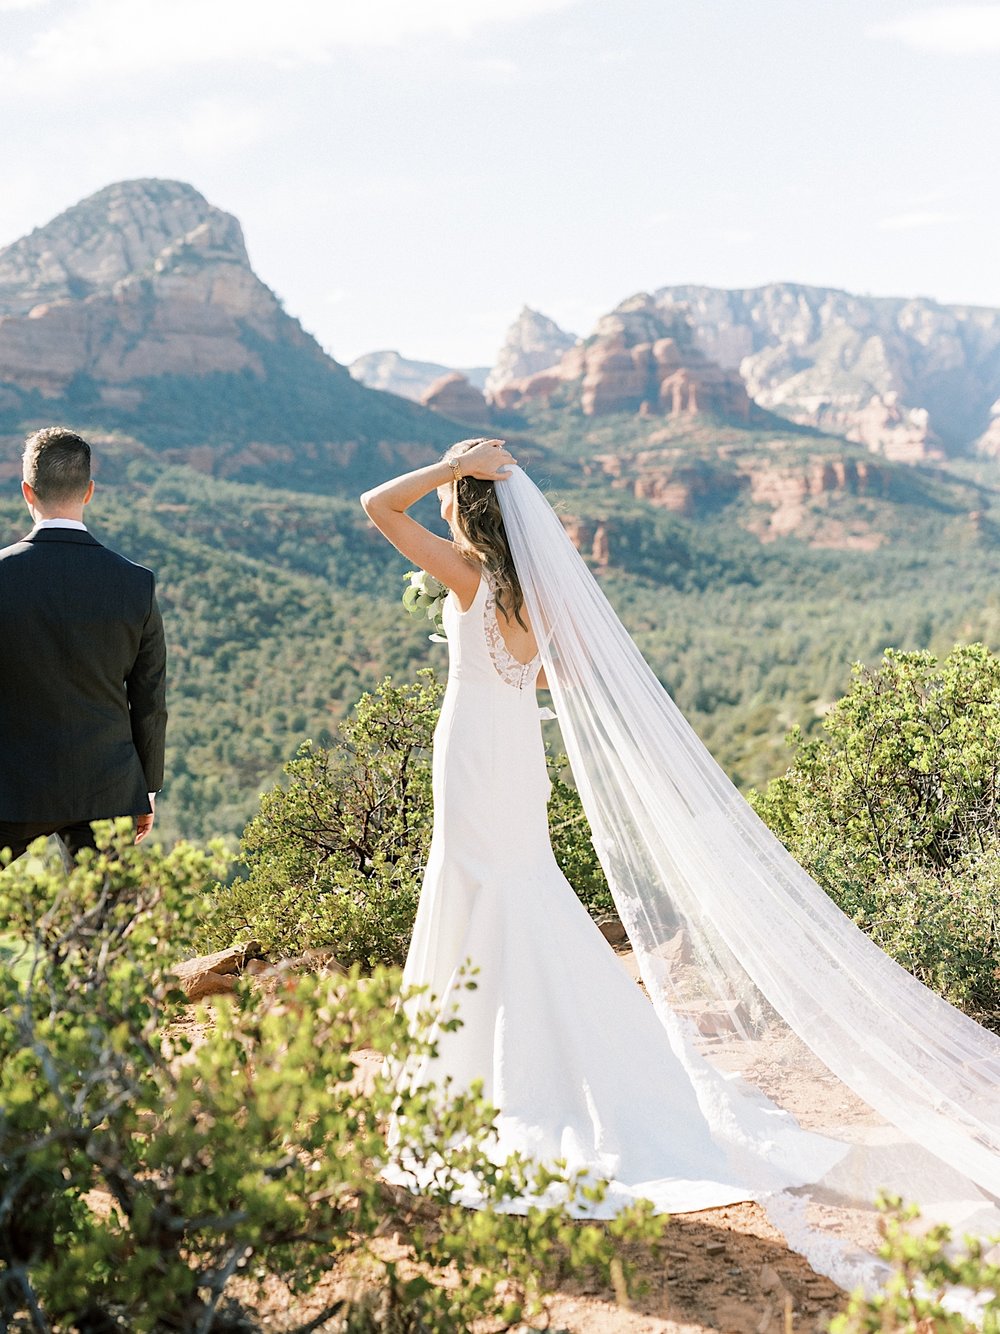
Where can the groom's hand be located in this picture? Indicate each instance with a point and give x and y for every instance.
(144, 823)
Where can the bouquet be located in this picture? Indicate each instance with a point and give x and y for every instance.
(425, 596)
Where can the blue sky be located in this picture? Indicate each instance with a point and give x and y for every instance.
(409, 174)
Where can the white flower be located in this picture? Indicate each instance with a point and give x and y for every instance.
(426, 583)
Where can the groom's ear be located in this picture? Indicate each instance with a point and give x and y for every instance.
(89, 495)
(29, 495)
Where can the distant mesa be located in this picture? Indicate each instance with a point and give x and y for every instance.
(639, 359)
(908, 378)
(396, 374)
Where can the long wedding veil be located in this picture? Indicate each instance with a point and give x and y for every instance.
(763, 984)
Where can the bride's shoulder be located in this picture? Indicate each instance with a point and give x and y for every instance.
(477, 570)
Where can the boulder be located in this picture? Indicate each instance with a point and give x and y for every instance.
(214, 974)
(453, 396)
(613, 931)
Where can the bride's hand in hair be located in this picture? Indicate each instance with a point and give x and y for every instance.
(488, 460)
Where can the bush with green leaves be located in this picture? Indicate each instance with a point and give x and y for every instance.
(572, 844)
(895, 811)
(154, 1176)
(906, 775)
(335, 858)
(934, 1287)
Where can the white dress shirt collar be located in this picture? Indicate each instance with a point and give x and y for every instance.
(62, 523)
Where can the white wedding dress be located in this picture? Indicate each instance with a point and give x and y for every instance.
(565, 1043)
(784, 1057)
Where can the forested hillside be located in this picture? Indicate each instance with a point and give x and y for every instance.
(283, 606)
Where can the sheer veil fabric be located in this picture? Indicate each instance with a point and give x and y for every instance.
(773, 999)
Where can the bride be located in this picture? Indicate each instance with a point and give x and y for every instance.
(766, 1000)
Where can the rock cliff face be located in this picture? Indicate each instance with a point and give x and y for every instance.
(396, 374)
(782, 487)
(638, 359)
(908, 378)
(533, 343)
(988, 443)
(106, 291)
(453, 396)
(137, 311)
(115, 233)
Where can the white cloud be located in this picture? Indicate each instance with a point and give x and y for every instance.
(954, 30)
(907, 222)
(134, 36)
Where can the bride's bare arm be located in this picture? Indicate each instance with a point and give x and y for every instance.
(386, 506)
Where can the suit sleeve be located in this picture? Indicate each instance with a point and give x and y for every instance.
(146, 687)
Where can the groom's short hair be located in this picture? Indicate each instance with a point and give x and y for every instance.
(56, 464)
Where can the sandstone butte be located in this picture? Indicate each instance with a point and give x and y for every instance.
(635, 361)
(143, 279)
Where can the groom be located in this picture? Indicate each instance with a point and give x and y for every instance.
(82, 665)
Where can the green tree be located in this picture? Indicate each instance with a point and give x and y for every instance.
(907, 771)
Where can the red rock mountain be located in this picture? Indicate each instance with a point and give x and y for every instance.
(636, 360)
(453, 396)
(907, 377)
(138, 309)
(143, 279)
(532, 343)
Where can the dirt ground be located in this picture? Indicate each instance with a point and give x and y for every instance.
(724, 1271)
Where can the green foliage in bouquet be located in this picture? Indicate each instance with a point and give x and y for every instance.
(156, 1175)
(336, 856)
(895, 811)
(920, 1295)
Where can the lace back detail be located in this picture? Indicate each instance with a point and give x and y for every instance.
(510, 671)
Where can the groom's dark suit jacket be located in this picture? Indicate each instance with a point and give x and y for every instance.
(82, 681)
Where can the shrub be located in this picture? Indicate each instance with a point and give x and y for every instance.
(943, 927)
(920, 1296)
(895, 813)
(908, 773)
(572, 845)
(149, 1178)
(336, 856)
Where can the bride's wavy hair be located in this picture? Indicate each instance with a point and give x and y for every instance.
(478, 521)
